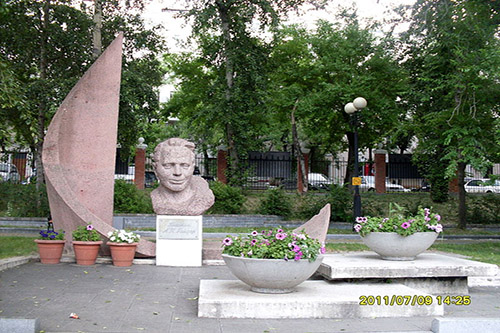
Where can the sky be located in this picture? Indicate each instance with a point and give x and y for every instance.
(176, 30)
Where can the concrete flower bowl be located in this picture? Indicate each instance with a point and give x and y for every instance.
(392, 246)
(271, 276)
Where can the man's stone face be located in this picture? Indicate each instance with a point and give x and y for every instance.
(175, 168)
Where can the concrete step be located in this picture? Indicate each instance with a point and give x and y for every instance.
(433, 273)
(315, 299)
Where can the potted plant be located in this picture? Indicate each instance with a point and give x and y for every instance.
(399, 237)
(50, 246)
(86, 244)
(122, 245)
(272, 261)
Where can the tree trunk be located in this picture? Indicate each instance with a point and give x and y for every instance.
(296, 144)
(42, 105)
(229, 69)
(96, 33)
(462, 207)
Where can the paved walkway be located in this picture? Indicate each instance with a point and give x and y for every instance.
(164, 299)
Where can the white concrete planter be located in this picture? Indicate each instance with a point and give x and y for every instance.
(392, 246)
(271, 276)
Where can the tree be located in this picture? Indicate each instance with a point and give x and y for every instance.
(222, 29)
(328, 68)
(452, 53)
(47, 61)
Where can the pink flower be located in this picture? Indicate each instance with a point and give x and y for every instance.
(322, 250)
(280, 236)
(90, 227)
(357, 227)
(361, 219)
(227, 241)
(254, 233)
(405, 225)
(253, 241)
(437, 217)
(279, 230)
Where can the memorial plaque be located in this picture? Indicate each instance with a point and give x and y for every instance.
(170, 228)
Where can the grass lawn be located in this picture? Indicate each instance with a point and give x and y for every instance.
(12, 246)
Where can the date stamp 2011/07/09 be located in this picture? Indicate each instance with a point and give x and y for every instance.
(414, 300)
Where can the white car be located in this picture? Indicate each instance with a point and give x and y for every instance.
(318, 181)
(8, 173)
(482, 186)
(368, 184)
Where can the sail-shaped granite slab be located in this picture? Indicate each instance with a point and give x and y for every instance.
(80, 147)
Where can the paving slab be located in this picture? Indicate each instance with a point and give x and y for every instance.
(433, 273)
(314, 299)
(466, 325)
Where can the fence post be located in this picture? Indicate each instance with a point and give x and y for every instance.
(300, 185)
(380, 170)
(221, 164)
(140, 164)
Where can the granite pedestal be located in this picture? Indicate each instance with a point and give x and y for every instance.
(433, 273)
(313, 299)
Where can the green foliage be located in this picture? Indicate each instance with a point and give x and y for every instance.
(228, 199)
(86, 233)
(340, 199)
(273, 244)
(129, 199)
(21, 200)
(276, 202)
(483, 209)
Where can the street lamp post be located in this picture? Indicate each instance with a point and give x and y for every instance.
(351, 108)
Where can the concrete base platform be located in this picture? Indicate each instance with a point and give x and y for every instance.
(313, 299)
(433, 273)
(19, 325)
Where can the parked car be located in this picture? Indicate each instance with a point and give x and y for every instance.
(368, 184)
(318, 181)
(9, 173)
(483, 185)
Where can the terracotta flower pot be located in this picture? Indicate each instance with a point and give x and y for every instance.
(86, 252)
(122, 253)
(50, 250)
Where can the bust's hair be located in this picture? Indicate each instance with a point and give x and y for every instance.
(170, 143)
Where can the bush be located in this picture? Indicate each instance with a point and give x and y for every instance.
(483, 209)
(275, 202)
(309, 205)
(338, 197)
(129, 199)
(228, 200)
(19, 200)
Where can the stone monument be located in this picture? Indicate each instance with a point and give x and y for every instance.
(80, 147)
(179, 202)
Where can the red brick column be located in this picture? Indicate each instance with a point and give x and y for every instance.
(300, 185)
(380, 170)
(222, 165)
(19, 161)
(453, 185)
(140, 164)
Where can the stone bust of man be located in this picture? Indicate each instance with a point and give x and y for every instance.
(180, 192)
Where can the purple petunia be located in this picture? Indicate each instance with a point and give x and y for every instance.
(90, 227)
(322, 250)
(361, 219)
(437, 217)
(405, 225)
(253, 242)
(254, 233)
(357, 227)
(227, 241)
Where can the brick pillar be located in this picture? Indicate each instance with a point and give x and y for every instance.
(453, 185)
(222, 164)
(300, 185)
(380, 170)
(20, 161)
(140, 164)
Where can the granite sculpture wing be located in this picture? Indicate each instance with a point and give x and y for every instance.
(317, 226)
(80, 147)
